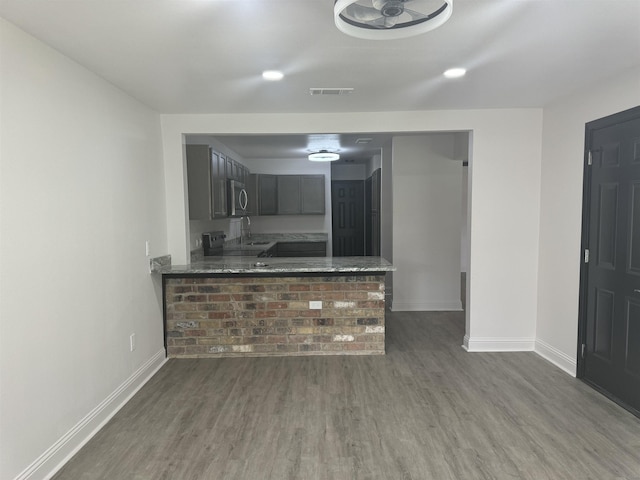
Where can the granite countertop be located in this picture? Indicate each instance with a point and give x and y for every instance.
(243, 258)
(251, 264)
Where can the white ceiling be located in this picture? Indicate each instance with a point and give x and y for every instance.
(207, 56)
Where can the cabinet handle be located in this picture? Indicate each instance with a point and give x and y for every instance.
(243, 199)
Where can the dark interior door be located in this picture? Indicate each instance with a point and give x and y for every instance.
(347, 205)
(610, 333)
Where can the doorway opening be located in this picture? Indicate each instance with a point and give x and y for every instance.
(355, 206)
(348, 217)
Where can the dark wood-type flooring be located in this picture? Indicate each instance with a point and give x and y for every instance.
(426, 410)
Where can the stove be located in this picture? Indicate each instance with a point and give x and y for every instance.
(213, 242)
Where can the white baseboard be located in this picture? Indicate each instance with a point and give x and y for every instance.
(490, 344)
(47, 464)
(453, 306)
(555, 356)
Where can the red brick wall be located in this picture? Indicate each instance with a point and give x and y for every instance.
(223, 317)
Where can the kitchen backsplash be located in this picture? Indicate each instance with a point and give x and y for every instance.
(230, 227)
(197, 254)
(259, 225)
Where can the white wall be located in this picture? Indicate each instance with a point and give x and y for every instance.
(81, 189)
(505, 200)
(427, 207)
(561, 210)
(352, 171)
(504, 213)
(373, 164)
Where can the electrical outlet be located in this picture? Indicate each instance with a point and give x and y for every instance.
(132, 342)
(315, 305)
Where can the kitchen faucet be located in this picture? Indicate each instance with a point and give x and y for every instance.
(242, 229)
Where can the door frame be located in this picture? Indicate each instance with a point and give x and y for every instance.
(590, 127)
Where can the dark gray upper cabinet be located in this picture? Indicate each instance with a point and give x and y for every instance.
(199, 182)
(236, 171)
(267, 194)
(301, 195)
(219, 184)
(207, 175)
(231, 168)
(243, 174)
(285, 194)
(312, 193)
(207, 189)
(289, 196)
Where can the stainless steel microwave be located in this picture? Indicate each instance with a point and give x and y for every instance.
(238, 198)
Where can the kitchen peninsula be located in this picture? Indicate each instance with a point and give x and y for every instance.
(244, 305)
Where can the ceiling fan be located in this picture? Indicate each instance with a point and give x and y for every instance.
(388, 19)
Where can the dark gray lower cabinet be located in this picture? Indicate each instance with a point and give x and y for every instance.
(298, 249)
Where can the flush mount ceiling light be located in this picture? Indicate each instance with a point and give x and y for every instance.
(323, 156)
(272, 75)
(390, 19)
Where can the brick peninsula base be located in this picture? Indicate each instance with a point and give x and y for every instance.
(213, 316)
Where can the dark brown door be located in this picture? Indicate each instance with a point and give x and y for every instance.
(347, 205)
(609, 356)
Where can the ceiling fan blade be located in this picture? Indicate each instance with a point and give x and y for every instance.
(415, 15)
(362, 14)
(390, 21)
(383, 22)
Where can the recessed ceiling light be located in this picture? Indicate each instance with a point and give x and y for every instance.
(455, 73)
(323, 156)
(272, 75)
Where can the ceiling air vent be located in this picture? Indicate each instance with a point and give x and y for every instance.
(330, 91)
